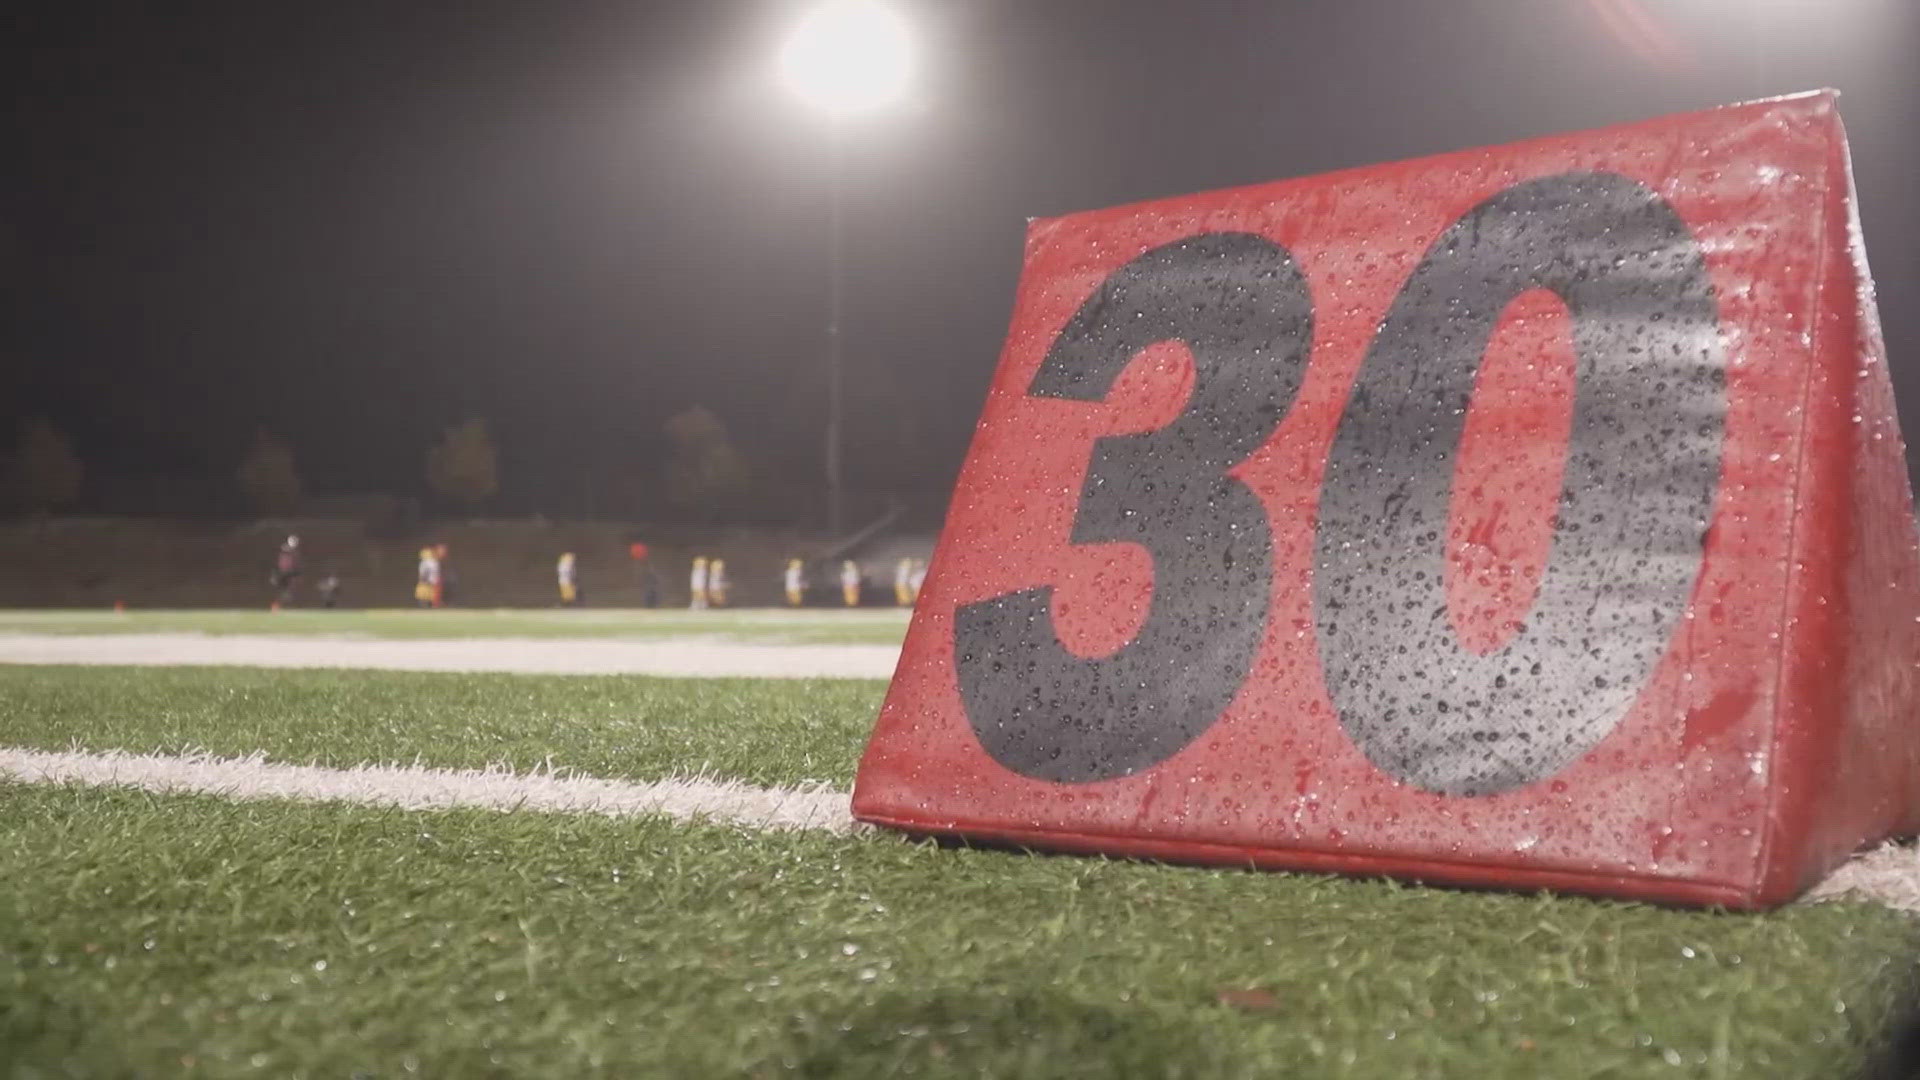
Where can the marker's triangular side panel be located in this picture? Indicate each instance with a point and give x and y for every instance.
(1848, 737)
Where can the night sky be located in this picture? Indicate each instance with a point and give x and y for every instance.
(354, 224)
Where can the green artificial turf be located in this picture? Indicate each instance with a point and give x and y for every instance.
(767, 731)
(147, 935)
(823, 626)
(184, 935)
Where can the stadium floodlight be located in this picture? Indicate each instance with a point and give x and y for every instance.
(845, 57)
(848, 56)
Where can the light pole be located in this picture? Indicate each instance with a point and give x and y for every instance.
(836, 302)
(844, 58)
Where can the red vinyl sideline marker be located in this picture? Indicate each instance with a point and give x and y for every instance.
(1531, 516)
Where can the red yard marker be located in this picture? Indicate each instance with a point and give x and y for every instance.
(1530, 516)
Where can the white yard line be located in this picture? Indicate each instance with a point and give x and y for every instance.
(1889, 874)
(416, 788)
(576, 656)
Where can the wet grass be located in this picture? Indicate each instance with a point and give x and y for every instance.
(184, 935)
(765, 731)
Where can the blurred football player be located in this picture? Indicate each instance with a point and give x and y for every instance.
(426, 585)
(795, 582)
(850, 583)
(697, 584)
(286, 570)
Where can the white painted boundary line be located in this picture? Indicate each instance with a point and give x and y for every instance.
(558, 656)
(417, 788)
(1889, 874)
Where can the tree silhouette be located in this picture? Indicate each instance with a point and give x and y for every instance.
(267, 476)
(704, 471)
(46, 473)
(463, 467)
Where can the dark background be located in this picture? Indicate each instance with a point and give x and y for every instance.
(354, 224)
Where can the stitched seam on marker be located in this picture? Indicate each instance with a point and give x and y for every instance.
(1370, 863)
(1771, 834)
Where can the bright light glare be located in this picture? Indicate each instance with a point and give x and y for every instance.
(848, 56)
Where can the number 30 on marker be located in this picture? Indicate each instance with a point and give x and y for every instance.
(1641, 472)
